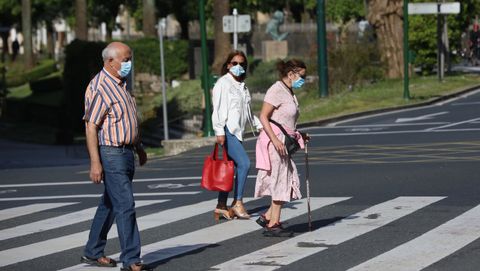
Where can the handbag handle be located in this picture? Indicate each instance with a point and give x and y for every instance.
(224, 152)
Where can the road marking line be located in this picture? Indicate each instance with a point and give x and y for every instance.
(30, 209)
(55, 245)
(430, 247)
(60, 221)
(468, 103)
(165, 249)
(89, 182)
(452, 124)
(424, 117)
(396, 132)
(99, 195)
(309, 243)
(383, 125)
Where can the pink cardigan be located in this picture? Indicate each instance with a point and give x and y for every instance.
(261, 150)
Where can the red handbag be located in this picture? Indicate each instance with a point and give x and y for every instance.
(217, 175)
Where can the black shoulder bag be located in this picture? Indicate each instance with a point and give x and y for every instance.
(291, 143)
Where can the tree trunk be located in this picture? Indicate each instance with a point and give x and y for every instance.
(50, 40)
(27, 33)
(222, 40)
(386, 16)
(149, 18)
(4, 36)
(81, 29)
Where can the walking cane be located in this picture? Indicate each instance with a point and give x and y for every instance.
(307, 176)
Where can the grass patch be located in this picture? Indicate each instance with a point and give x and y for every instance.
(19, 92)
(154, 152)
(384, 94)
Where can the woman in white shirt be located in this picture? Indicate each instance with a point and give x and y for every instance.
(231, 111)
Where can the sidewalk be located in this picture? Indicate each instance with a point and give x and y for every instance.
(24, 155)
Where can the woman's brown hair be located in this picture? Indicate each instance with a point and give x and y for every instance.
(284, 67)
(229, 59)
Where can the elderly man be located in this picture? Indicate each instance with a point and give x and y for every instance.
(112, 137)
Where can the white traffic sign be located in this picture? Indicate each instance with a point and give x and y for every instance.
(243, 23)
(434, 8)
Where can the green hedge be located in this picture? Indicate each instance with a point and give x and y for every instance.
(52, 82)
(147, 56)
(43, 69)
(83, 60)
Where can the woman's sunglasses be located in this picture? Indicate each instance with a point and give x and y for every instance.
(235, 63)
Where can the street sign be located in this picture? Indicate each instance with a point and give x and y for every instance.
(243, 23)
(434, 8)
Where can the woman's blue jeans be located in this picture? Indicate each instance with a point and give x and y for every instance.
(117, 203)
(237, 153)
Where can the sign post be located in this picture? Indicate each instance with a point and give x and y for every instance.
(161, 27)
(236, 24)
(441, 9)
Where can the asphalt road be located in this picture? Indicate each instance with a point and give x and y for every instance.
(394, 191)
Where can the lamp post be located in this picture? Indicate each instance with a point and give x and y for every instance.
(322, 49)
(406, 92)
(207, 129)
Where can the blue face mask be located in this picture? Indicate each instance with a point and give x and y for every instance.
(237, 70)
(298, 83)
(125, 68)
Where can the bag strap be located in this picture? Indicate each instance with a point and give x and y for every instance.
(215, 152)
(279, 126)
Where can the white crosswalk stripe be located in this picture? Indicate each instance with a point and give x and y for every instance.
(60, 221)
(429, 247)
(304, 245)
(214, 234)
(441, 241)
(30, 209)
(43, 248)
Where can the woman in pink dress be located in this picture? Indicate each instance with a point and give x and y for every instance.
(277, 174)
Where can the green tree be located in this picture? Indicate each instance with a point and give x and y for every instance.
(104, 11)
(149, 18)
(81, 25)
(27, 33)
(46, 11)
(344, 10)
(423, 32)
(10, 13)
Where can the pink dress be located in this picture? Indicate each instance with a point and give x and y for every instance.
(281, 182)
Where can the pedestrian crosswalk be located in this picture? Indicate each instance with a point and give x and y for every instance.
(198, 237)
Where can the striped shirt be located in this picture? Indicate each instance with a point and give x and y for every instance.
(112, 108)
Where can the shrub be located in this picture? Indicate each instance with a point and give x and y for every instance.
(82, 61)
(147, 57)
(44, 68)
(264, 75)
(352, 65)
(49, 83)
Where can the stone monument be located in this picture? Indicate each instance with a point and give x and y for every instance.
(278, 47)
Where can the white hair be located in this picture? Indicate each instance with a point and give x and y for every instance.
(109, 52)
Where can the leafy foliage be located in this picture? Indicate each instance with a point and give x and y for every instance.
(423, 32)
(344, 10)
(147, 56)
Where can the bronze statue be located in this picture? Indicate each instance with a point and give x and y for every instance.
(274, 24)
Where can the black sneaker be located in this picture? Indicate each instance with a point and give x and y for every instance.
(262, 221)
(277, 231)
